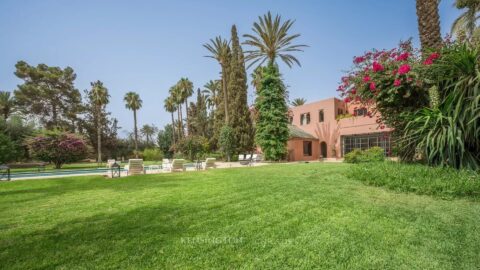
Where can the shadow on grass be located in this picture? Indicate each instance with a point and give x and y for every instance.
(103, 241)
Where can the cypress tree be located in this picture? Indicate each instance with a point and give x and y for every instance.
(272, 123)
(239, 113)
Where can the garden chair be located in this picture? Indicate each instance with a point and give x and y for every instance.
(241, 158)
(177, 165)
(134, 167)
(246, 160)
(209, 163)
(110, 163)
(256, 158)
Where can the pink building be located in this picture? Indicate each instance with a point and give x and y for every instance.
(331, 128)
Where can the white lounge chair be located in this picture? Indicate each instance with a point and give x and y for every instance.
(241, 157)
(177, 165)
(166, 164)
(246, 160)
(209, 163)
(134, 167)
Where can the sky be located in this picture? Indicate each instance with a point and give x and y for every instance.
(147, 46)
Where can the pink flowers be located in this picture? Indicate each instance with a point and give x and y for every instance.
(366, 78)
(431, 58)
(397, 82)
(377, 67)
(372, 86)
(347, 100)
(353, 91)
(404, 69)
(403, 56)
(358, 59)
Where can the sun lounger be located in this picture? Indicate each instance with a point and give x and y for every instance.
(209, 163)
(135, 166)
(177, 165)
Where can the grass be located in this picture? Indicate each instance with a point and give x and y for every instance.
(273, 217)
(441, 182)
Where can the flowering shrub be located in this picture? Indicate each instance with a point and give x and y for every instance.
(58, 147)
(387, 81)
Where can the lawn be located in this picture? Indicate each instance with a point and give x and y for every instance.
(273, 217)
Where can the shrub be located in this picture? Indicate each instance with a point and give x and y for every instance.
(7, 149)
(152, 154)
(227, 141)
(193, 147)
(58, 147)
(374, 154)
(419, 179)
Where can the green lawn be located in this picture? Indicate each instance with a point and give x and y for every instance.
(275, 217)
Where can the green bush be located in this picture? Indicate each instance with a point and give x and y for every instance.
(152, 154)
(7, 149)
(374, 154)
(419, 179)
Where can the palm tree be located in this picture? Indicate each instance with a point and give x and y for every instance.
(429, 24)
(100, 97)
(220, 51)
(176, 95)
(134, 103)
(170, 107)
(298, 102)
(148, 131)
(186, 90)
(210, 91)
(271, 40)
(7, 104)
(467, 21)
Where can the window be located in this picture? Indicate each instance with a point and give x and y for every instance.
(321, 117)
(360, 112)
(290, 119)
(339, 112)
(305, 119)
(307, 148)
(367, 141)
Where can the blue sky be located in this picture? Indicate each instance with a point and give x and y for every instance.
(146, 46)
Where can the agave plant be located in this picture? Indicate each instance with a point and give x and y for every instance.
(449, 134)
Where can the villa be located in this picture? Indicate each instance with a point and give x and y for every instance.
(330, 128)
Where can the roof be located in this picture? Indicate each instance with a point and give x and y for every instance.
(296, 132)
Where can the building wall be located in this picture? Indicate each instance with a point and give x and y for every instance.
(295, 150)
(331, 129)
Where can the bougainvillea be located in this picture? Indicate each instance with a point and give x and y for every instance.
(58, 147)
(388, 82)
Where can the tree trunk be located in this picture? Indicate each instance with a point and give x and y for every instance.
(135, 132)
(225, 94)
(99, 137)
(186, 112)
(173, 128)
(428, 24)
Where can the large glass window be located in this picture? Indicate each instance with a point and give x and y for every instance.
(367, 141)
(321, 116)
(307, 148)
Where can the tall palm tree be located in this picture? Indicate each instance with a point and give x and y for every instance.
(186, 90)
(210, 91)
(170, 107)
(7, 104)
(467, 21)
(134, 103)
(177, 98)
(271, 40)
(298, 102)
(148, 131)
(429, 24)
(100, 97)
(220, 51)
